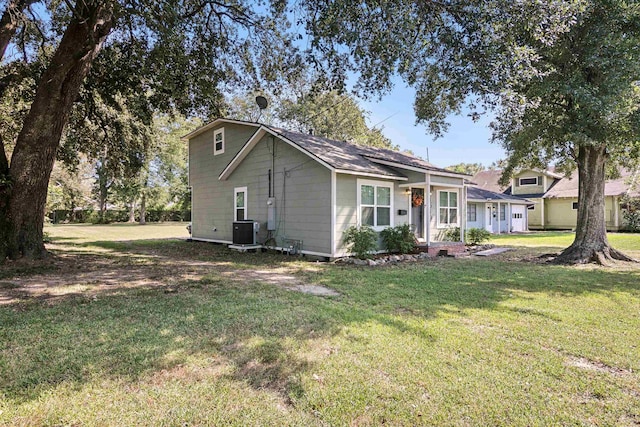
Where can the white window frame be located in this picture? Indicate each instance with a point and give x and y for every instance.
(246, 203)
(215, 135)
(529, 185)
(457, 208)
(502, 213)
(375, 206)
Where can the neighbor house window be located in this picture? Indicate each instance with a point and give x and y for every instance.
(530, 181)
(574, 206)
(447, 208)
(472, 212)
(240, 203)
(218, 141)
(503, 212)
(374, 203)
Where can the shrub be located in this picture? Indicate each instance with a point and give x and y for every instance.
(477, 236)
(632, 220)
(452, 234)
(398, 239)
(363, 240)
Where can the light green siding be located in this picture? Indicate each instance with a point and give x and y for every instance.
(302, 191)
(445, 180)
(210, 201)
(535, 215)
(347, 205)
(517, 189)
(560, 215)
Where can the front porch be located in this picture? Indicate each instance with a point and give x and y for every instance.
(435, 209)
(442, 248)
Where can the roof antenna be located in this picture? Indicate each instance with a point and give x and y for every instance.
(262, 104)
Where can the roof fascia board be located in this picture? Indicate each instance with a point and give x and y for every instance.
(372, 175)
(397, 165)
(213, 124)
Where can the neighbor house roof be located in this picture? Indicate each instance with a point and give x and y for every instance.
(475, 193)
(488, 180)
(627, 183)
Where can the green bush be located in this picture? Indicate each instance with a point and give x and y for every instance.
(363, 240)
(632, 220)
(452, 234)
(398, 239)
(477, 236)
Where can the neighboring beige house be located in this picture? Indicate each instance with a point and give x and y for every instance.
(257, 185)
(554, 197)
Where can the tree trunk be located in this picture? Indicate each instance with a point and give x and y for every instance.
(591, 243)
(143, 208)
(132, 211)
(36, 146)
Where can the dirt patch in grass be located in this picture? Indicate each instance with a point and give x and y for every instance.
(595, 366)
(89, 271)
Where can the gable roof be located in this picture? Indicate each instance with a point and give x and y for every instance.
(627, 183)
(339, 156)
(488, 180)
(475, 193)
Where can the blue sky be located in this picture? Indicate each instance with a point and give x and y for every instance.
(465, 141)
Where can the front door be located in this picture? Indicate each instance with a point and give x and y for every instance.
(417, 212)
(517, 218)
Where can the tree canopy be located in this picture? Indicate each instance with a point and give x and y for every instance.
(561, 76)
(108, 66)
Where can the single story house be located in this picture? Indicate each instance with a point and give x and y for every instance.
(301, 192)
(496, 212)
(554, 196)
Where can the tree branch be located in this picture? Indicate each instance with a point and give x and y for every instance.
(9, 22)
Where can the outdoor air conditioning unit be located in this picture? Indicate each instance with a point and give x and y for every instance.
(244, 232)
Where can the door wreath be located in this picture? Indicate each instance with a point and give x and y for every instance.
(417, 199)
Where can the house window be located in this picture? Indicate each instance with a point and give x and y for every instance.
(218, 141)
(529, 181)
(503, 212)
(374, 204)
(447, 208)
(472, 212)
(240, 203)
(574, 206)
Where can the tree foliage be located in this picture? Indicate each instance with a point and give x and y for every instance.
(468, 168)
(107, 66)
(326, 113)
(561, 76)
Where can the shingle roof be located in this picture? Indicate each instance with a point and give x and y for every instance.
(628, 182)
(488, 180)
(348, 156)
(477, 193)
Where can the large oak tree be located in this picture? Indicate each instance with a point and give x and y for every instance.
(157, 56)
(563, 78)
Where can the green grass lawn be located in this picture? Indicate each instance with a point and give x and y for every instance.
(562, 239)
(473, 341)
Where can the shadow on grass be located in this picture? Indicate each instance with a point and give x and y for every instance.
(255, 329)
